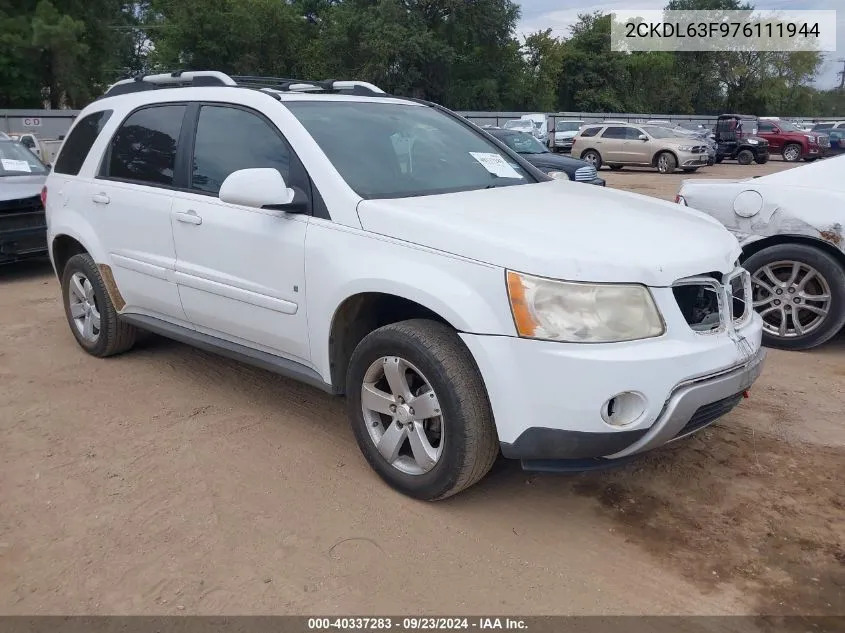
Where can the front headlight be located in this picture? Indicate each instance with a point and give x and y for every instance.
(752, 141)
(810, 138)
(558, 175)
(577, 312)
(685, 148)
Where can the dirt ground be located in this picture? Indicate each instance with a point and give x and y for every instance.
(170, 481)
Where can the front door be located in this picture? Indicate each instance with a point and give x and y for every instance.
(129, 203)
(769, 132)
(635, 149)
(241, 270)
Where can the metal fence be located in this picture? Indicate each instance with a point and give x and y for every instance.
(53, 124)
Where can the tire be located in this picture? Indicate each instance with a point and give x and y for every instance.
(761, 160)
(690, 170)
(113, 336)
(468, 444)
(666, 163)
(615, 167)
(792, 153)
(745, 157)
(592, 157)
(781, 257)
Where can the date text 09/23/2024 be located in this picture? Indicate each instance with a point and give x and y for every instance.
(415, 623)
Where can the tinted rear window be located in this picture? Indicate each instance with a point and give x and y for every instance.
(144, 147)
(79, 142)
(590, 131)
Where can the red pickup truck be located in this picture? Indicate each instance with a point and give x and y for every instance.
(792, 142)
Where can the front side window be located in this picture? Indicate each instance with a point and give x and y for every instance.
(144, 147)
(393, 150)
(79, 142)
(17, 160)
(766, 127)
(229, 139)
(632, 133)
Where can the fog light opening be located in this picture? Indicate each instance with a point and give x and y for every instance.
(623, 409)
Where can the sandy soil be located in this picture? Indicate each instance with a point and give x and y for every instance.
(168, 480)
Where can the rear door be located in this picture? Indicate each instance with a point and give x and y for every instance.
(129, 203)
(241, 270)
(610, 144)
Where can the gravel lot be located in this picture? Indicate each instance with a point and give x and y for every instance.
(170, 481)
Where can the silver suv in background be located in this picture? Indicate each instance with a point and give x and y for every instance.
(619, 144)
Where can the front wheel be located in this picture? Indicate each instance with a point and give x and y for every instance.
(792, 153)
(666, 163)
(592, 157)
(799, 291)
(419, 409)
(745, 157)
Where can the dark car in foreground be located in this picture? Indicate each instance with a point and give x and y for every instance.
(23, 229)
(537, 154)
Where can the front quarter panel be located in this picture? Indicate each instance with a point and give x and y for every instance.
(342, 262)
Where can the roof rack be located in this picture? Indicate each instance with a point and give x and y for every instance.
(271, 85)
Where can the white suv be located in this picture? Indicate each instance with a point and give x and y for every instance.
(389, 250)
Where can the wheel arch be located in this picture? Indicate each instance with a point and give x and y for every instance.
(363, 312)
(665, 151)
(754, 247)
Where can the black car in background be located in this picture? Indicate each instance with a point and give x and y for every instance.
(537, 154)
(23, 227)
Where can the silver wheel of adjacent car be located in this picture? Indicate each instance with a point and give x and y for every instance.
(666, 163)
(792, 153)
(793, 298)
(83, 307)
(402, 414)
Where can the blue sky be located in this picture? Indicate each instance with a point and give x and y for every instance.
(559, 14)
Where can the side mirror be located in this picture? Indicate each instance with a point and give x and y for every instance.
(260, 188)
(642, 137)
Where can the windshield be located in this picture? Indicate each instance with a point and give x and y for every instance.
(567, 126)
(659, 132)
(390, 150)
(16, 160)
(523, 143)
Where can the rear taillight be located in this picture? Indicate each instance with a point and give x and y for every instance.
(44, 196)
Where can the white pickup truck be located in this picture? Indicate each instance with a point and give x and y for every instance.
(465, 303)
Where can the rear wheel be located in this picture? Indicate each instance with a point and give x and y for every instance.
(799, 291)
(419, 409)
(792, 153)
(592, 157)
(745, 157)
(666, 163)
(90, 313)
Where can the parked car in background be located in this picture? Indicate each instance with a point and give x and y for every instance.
(837, 141)
(551, 164)
(701, 134)
(44, 150)
(790, 141)
(618, 145)
(465, 303)
(541, 125)
(564, 132)
(828, 125)
(790, 225)
(736, 139)
(23, 229)
(521, 125)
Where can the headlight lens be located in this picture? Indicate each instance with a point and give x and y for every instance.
(577, 312)
(685, 148)
(752, 141)
(810, 138)
(558, 175)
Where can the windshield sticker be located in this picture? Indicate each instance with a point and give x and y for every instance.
(495, 164)
(15, 165)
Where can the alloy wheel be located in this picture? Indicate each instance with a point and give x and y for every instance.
(792, 153)
(793, 298)
(83, 307)
(402, 414)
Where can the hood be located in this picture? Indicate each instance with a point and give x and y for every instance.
(555, 161)
(18, 187)
(568, 134)
(562, 229)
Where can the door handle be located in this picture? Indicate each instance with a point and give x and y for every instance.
(189, 217)
(100, 198)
